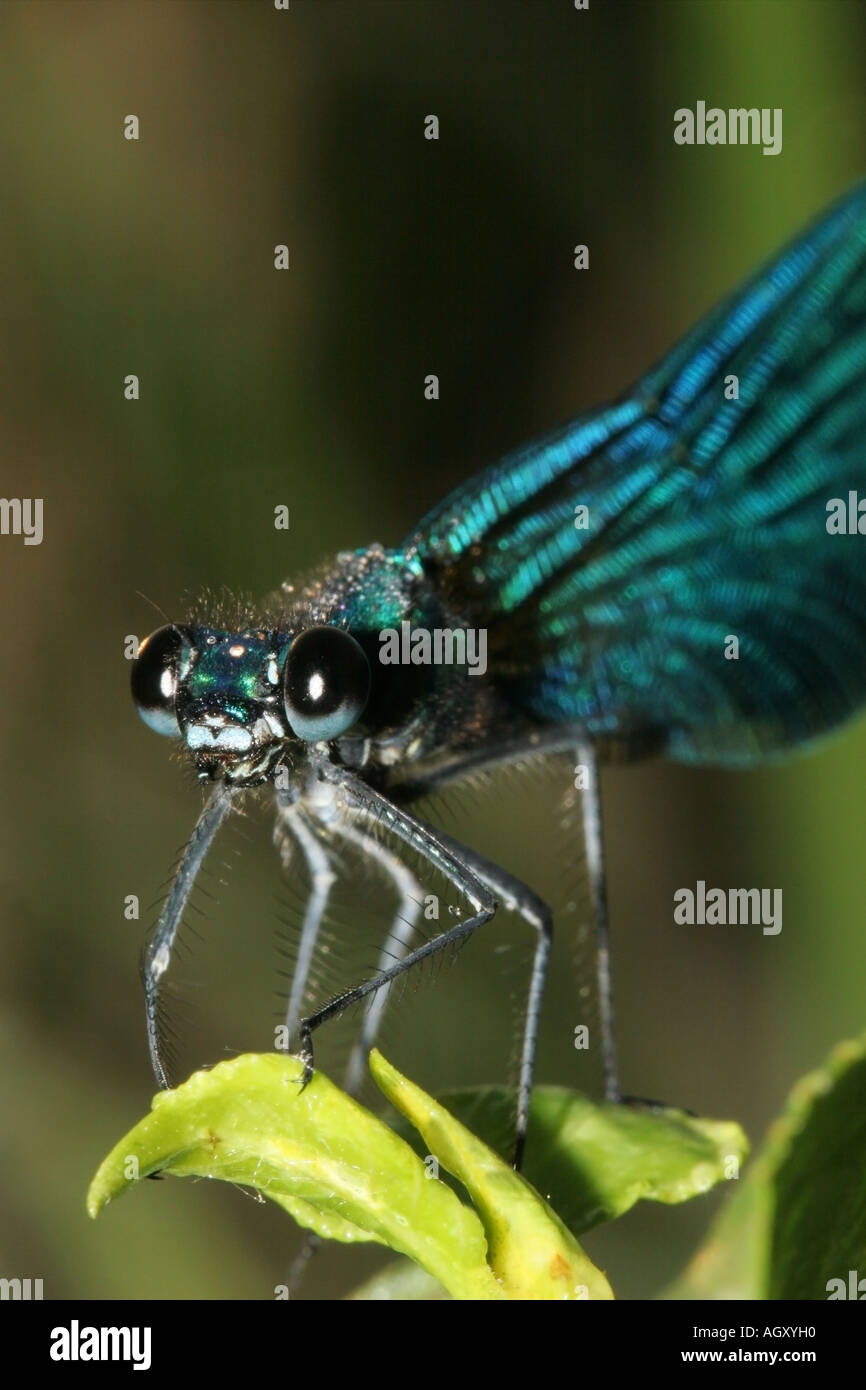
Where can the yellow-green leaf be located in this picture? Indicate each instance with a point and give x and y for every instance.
(531, 1251)
(316, 1152)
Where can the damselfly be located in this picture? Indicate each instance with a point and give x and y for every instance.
(681, 572)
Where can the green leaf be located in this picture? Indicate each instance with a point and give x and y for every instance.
(798, 1219)
(344, 1174)
(531, 1251)
(593, 1161)
(316, 1152)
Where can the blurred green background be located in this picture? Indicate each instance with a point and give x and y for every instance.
(305, 388)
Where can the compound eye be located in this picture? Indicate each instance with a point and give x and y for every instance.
(326, 683)
(164, 659)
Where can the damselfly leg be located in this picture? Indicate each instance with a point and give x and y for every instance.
(484, 885)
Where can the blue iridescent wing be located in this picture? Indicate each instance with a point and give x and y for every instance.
(707, 521)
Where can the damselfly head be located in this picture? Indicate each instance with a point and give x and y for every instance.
(237, 699)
